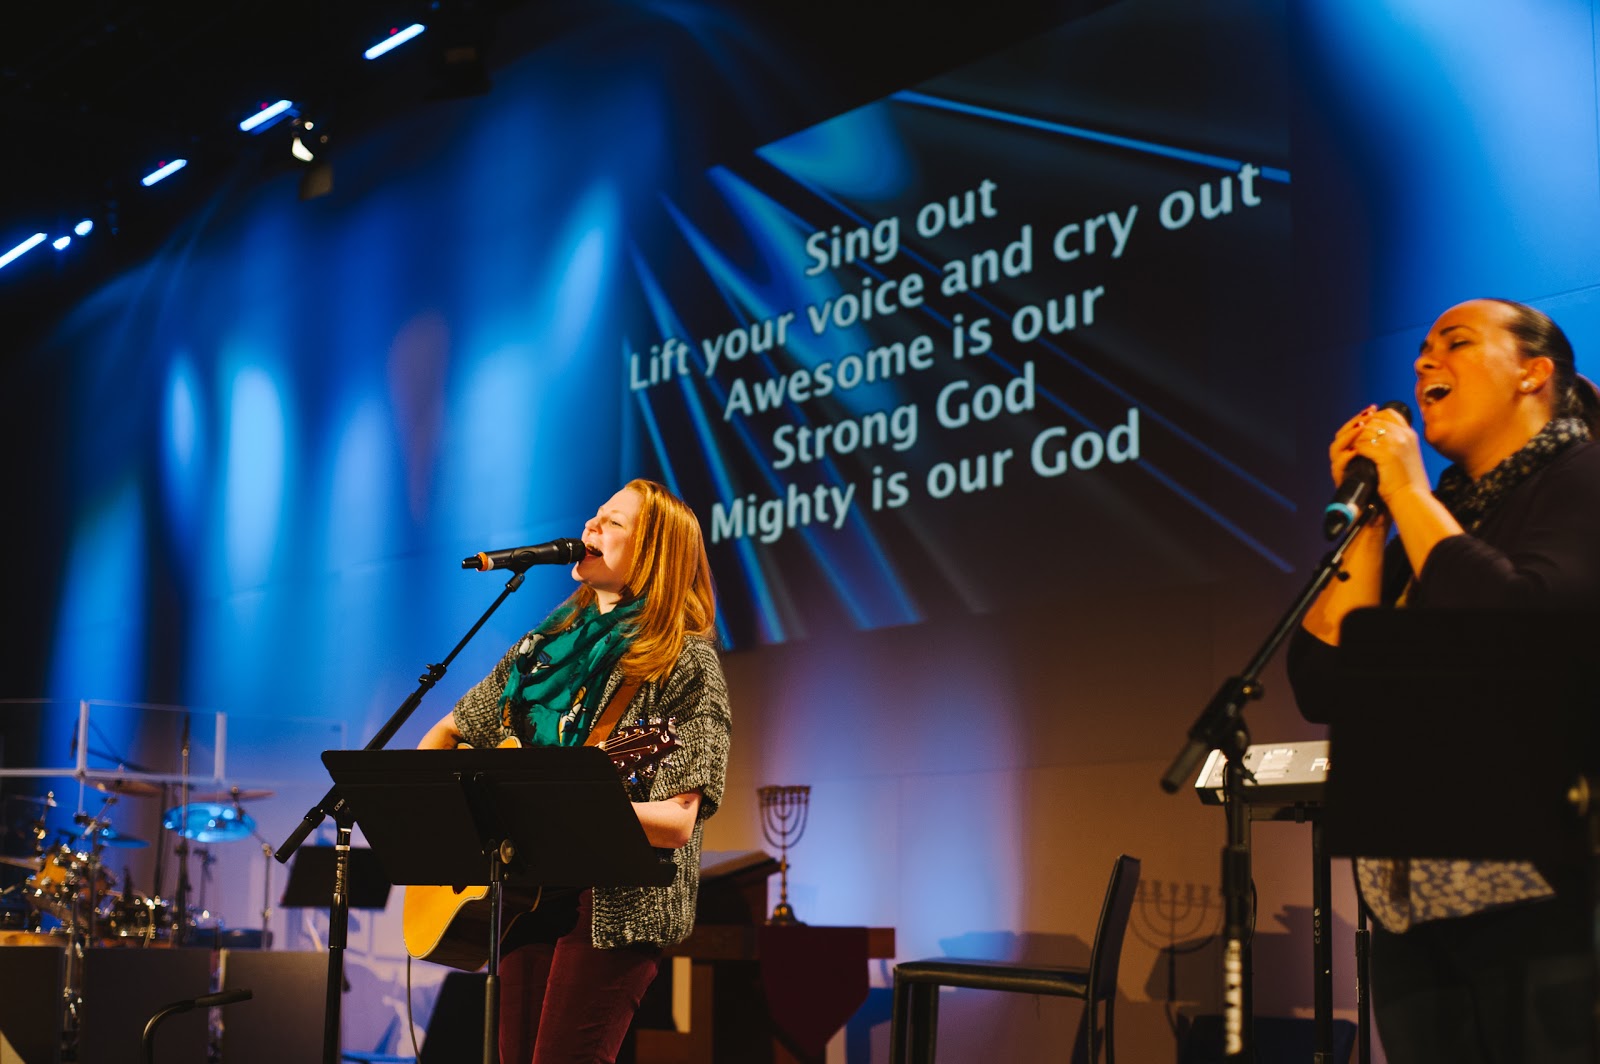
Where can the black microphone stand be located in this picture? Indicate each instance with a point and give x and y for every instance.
(333, 805)
(1221, 726)
(207, 1001)
(180, 902)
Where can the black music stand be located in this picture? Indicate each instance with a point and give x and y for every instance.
(1476, 722)
(313, 869)
(553, 816)
(1466, 734)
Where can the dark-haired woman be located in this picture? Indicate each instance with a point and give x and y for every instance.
(573, 971)
(1474, 960)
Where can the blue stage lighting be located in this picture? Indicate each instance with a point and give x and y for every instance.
(395, 39)
(60, 243)
(166, 170)
(265, 117)
(21, 249)
(84, 228)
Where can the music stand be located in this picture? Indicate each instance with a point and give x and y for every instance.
(553, 816)
(313, 869)
(1466, 734)
(1462, 733)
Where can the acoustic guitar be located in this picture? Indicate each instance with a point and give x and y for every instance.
(450, 925)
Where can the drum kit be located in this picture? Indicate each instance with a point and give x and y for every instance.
(73, 898)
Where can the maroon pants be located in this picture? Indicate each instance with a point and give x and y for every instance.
(562, 1001)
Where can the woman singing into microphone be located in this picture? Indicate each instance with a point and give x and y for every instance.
(1474, 960)
(573, 972)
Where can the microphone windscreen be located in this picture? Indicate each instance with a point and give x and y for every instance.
(1398, 405)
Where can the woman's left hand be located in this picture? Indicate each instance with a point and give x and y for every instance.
(1395, 449)
(669, 823)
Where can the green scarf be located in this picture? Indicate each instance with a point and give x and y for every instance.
(553, 694)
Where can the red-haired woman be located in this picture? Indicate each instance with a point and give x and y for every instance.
(573, 972)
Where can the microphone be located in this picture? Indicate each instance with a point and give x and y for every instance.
(1360, 482)
(517, 559)
(207, 1001)
(226, 997)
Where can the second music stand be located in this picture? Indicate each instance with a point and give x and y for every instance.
(1470, 735)
(1462, 733)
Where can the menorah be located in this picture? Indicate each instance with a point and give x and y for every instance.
(1169, 918)
(783, 819)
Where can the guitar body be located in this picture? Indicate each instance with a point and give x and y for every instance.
(450, 925)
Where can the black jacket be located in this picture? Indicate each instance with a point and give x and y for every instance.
(1540, 549)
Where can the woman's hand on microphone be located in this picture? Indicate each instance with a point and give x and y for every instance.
(1340, 451)
(1361, 579)
(1384, 438)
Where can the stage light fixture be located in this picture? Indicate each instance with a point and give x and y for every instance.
(310, 146)
(60, 243)
(166, 170)
(84, 228)
(308, 141)
(21, 249)
(268, 116)
(396, 38)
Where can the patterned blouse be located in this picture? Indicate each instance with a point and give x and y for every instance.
(1402, 892)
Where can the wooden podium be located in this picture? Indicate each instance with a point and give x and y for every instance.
(759, 994)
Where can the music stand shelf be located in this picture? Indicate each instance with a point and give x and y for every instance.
(312, 870)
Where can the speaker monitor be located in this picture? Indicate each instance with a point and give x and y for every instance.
(283, 1020)
(123, 988)
(31, 1003)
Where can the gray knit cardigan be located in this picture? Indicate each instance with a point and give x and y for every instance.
(695, 696)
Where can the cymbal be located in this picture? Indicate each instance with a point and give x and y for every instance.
(131, 788)
(46, 800)
(109, 836)
(208, 822)
(232, 794)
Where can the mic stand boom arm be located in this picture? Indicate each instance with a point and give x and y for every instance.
(1221, 726)
(333, 805)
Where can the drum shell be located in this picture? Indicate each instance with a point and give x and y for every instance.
(63, 870)
(135, 920)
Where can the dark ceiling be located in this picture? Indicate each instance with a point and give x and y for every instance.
(98, 93)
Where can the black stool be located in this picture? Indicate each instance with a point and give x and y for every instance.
(917, 983)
